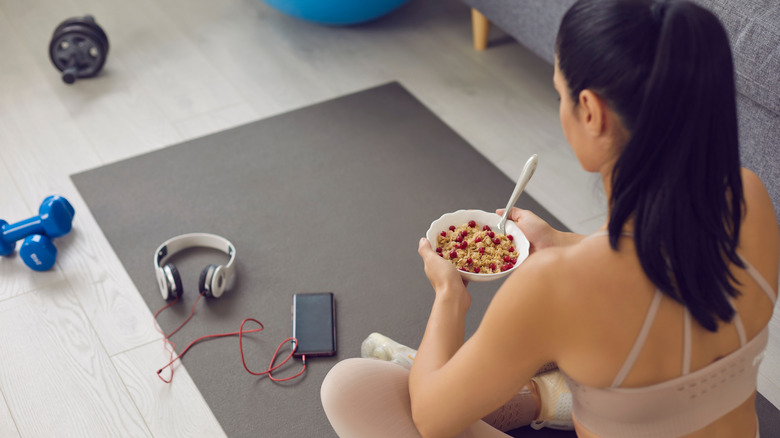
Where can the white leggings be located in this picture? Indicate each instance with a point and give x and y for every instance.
(370, 397)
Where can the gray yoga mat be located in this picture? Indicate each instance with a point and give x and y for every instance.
(333, 197)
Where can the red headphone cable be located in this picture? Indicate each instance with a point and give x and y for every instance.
(170, 345)
(271, 368)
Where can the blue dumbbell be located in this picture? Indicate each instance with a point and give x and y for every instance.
(38, 252)
(55, 220)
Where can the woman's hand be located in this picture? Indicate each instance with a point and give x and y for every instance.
(539, 233)
(442, 274)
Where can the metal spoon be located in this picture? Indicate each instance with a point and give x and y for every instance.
(525, 176)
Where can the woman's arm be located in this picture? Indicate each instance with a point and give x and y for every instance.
(453, 384)
(445, 330)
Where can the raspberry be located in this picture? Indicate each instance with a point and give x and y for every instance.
(482, 250)
(464, 233)
(453, 254)
(476, 269)
(486, 228)
(463, 269)
(477, 240)
(492, 266)
(438, 249)
(506, 258)
(459, 239)
(513, 260)
(469, 261)
(443, 234)
(441, 255)
(511, 249)
(464, 245)
(497, 241)
(510, 237)
(452, 227)
(492, 234)
(472, 224)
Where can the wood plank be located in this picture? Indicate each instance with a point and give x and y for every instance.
(216, 121)
(175, 409)
(55, 374)
(39, 137)
(119, 315)
(240, 38)
(7, 425)
(183, 80)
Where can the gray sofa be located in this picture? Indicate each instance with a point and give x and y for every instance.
(754, 30)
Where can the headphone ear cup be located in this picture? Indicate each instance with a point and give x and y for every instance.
(204, 283)
(170, 270)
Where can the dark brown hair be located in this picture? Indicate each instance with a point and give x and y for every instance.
(665, 68)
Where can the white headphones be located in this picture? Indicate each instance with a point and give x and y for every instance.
(213, 278)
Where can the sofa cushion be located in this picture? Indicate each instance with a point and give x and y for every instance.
(754, 31)
(759, 145)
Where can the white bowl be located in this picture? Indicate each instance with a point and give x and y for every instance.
(461, 217)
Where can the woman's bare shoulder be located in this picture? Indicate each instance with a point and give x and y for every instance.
(759, 220)
(583, 274)
(760, 233)
(570, 292)
(756, 196)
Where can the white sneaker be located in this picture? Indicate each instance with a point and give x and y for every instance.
(381, 347)
(556, 402)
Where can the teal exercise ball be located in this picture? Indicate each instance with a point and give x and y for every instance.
(336, 12)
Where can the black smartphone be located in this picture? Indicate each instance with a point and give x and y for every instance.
(314, 324)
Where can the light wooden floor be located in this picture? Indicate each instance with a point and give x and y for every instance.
(78, 350)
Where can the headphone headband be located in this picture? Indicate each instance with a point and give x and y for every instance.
(195, 240)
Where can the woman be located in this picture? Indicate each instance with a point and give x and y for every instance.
(658, 322)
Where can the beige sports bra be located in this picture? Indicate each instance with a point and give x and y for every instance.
(679, 406)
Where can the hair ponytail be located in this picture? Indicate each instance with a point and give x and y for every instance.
(678, 176)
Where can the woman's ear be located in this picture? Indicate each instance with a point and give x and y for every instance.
(592, 113)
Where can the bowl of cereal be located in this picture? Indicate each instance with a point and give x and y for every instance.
(469, 240)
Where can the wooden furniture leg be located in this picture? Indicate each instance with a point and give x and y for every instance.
(481, 28)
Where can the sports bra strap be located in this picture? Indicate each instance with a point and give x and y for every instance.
(606, 233)
(738, 324)
(640, 340)
(596, 234)
(686, 365)
(760, 280)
